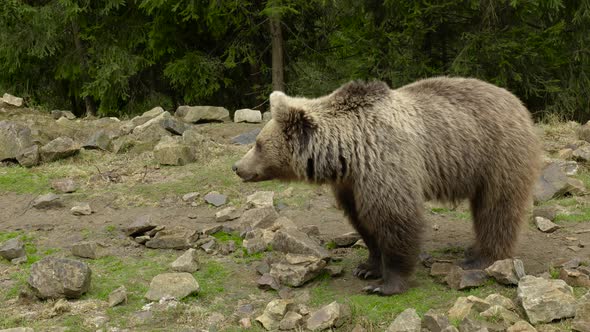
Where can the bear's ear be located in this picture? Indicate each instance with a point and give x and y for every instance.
(292, 119)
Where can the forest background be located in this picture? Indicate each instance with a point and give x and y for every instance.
(118, 57)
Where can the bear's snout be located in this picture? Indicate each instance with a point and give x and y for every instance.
(234, 168)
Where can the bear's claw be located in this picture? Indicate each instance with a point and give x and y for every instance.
(365, 271)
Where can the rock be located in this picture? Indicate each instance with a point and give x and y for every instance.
(64, 185)
(566, 153)
(81, 209)
(298, 269)
(266, 116)
(273, 313)
(500, 314)
(582, 153)
(460, 309)
(247, 115)
(118, 296)
(227, 214)
(12, 100)
(296, 242)
(190, 197)
(570, 167)
(267, 281)
(583, 132)
(246, 138)
(347, 239)
(254, 245)
(173, 152)
(468, 325)
(311, 230)
(441, 269)
(29, 157)
(14, 140)
(262, 267)
(18, 329)
(260, 199)
(173, 126)
(521, 326)
(212, 229)
(57, 114)
(99, 140)
(547, 212)
(462, 279)
(259, 217)
(139, 226)
(331, 315)
(581, 322)
(576, 187)
(450, 328)
(228, 247)
(175, 238)
(47, 201)
(245, 323)
(54, 277)
(12, 249)
(478, 304)
(187, 262)
(88, 249)
(497, 299)
(574, 277)
(545, 225)
(175, 285)
(216, 199)
(360, 244)
(59, 148)
(334, 270)
(200, 114)
(546, 300)
(407, 321)
(434, 321)
(551, 184)
(507, 271)
(291, 321)
(209, 246)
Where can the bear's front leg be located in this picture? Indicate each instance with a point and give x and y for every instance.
(398, 238)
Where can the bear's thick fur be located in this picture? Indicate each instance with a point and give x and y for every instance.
(387, 151)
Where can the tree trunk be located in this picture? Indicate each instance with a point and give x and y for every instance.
(278, 80)
(81, 51)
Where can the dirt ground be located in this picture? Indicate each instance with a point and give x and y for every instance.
(447, 232)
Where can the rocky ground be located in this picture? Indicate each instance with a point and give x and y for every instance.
(140, 225)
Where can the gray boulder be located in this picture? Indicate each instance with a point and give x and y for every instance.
(246, 138)
(332, 315)
(47, 201)
(14, 139)
(54, 277)
(29, 157)
(139, 226)
(296, 242)
(407, 321)
(13, 248)
(172, 285)
(297, 269)
(187, 262)
(552, 183)
(507, 271)
(199, 114)
(546, 300)
(173, 152)
(59, 148)
(247, 115)
(12, 100)
(64, 185)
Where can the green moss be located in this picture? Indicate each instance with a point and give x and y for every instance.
(224, 237)
(580, 215)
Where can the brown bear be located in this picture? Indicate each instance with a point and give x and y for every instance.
(385, 152)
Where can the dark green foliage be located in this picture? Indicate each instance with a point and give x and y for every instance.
(128, 56)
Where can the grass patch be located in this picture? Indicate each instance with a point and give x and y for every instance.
(24, 180)
(212, 277)
(580, 215)
(224, 237)
(451, 213)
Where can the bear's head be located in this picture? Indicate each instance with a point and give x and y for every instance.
(271, 156)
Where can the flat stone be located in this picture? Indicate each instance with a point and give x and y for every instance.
(347, 239)
(547, 212)
(551, 184)
(267, 281)
(118, 296)
(14, 139)
(99, 140)
(360, 244)
(273, 313)
(54, 277)
(581, 321)
(29, 157)
(460, 309)
(574, 278)
(246, 138)
(407, 321)
(463, 279)
(216, 199)
(441, 269)
(296, 242)
(200, 114)
(47, 201)
(334, 270)
(479, 305)
(81, 209)
(247, 115)
(521, 326)
(173, 126)
(582, 153)
(507, 271)
(500, 314)
(435, 321)
(260, 199)
(59, 148)
(173, 152)
(227, 214)
(254, 245)
(187, 262)
(175, 238)
(546, 300)
(209, 246)
(64, 185)
(139, 226)
(332, 315)
(190, 197)
(566, 153)
(546, 225)
(88, 249)
(296, 275)
(175, 285)
(497, 299)
(259, 217)
(12, 249)
(12, 100)
(291, 321)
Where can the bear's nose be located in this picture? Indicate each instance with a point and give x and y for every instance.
(234, 168)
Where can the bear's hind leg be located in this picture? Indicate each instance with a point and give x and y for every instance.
(496, 220)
